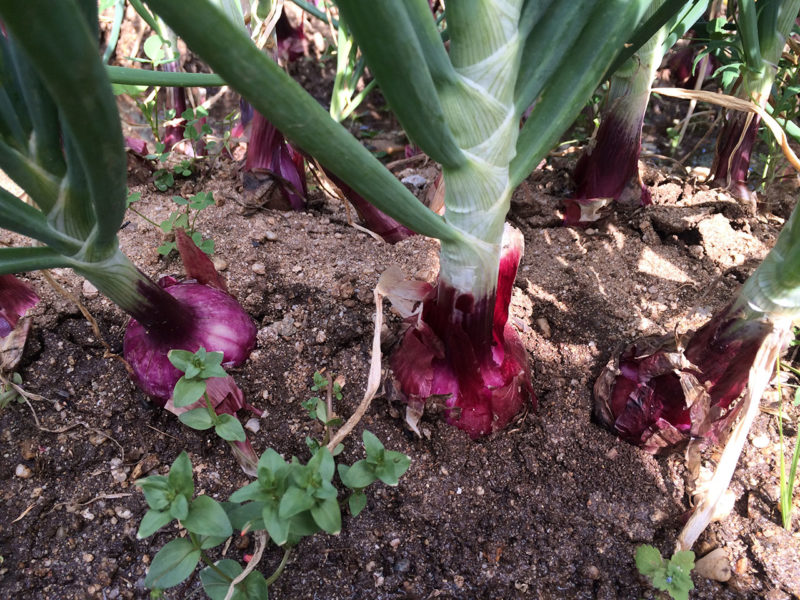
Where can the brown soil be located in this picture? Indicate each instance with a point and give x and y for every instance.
(553, 507)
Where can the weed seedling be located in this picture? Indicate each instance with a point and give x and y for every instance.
(288, 501)
(787, 482)
(197, 367)
(671, 575)
(185, 219)
(322, 410)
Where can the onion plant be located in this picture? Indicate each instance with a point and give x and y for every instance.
(605, 169)
(61, 142)
(461, 105)
(663, 393)
(762, 32)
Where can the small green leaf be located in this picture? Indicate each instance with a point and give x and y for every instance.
(179, 507)
(152, 521)
(180, 475)
(180, 359)
(277, 528)
(246, 516)
(214, 585)
(155, 489)
(252, 491)
(188, 391)
(207, 517)
(173, 563)
(683, 560)
(394, 465)
(230, 429)
(357, 502)
(201, 200)
(359, 476)
(648, 560)
(294, 501)
(156, 49)
(212, 541)
(197, 418)
(328, 516)
(166, 248)
(327, 467)
(372, 444)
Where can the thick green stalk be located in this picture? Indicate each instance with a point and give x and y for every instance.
(129, 76)
(81, 90)
(574, 82)
(299, 116)
(18, 260)
(483, 117)
(773, 290)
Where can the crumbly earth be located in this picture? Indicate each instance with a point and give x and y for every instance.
(553, 507)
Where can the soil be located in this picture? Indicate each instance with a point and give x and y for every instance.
(552, 507)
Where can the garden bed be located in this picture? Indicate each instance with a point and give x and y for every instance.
(553, 507)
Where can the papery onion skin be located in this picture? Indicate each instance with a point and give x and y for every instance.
(16, 297)
(657, 397)
(484, 379)
(218, 323)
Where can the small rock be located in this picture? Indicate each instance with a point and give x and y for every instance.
(122, 513)
(402, 565)
(87, 557)
(714, 565)
(760, 441)
(258, 268)
(270, 236)
(321, 337)
(88, 290)
(23, 472)
(253, 425)
(97, 438)
(592, 572)
(480, 491)
(220, 264)
(395, 543)
(297, 268)
(544, 326)
(742, 566)
(696, 251)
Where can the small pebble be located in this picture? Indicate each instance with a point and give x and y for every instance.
(258, 268)
(253, 425)
(23, 472)
(544, 326)
(87, 557)
(270, 236)
(592, 572)
(321, 337)
(395, 543)
(760, 441)
(714, 565)
(123, 513)
(220, 264)
(88, 290)
(742, 566)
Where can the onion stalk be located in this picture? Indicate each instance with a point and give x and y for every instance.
(665, 393)
(73, 168)
(604, 171)
(461, 106)
(762, 35)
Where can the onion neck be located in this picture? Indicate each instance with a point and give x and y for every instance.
(121, 282)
